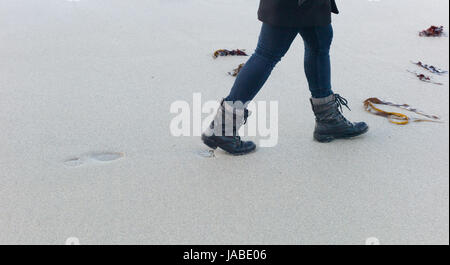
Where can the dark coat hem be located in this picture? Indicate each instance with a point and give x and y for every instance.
(292, 13)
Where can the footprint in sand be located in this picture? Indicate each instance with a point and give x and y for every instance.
(101, 157)
(74, 162)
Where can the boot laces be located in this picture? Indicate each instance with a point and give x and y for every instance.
(340, 101)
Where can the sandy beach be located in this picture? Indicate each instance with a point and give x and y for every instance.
(86, 150)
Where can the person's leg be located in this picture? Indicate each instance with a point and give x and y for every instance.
(317, 59)
(273, 44)
(327, 106)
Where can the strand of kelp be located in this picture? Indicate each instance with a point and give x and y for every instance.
(425, 78)
(395, 117)
(237, 70)
(433, 31)
(430, 68)
(225, 52)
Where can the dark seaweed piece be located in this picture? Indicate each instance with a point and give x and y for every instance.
(433, 31)
(236, 71)
(431, 68)
(224, 52)
(425, 78)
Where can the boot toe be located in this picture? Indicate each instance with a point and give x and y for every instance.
(362, 126)
(249, 146)
(245, 148)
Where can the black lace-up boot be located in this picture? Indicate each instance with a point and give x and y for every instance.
(330, 123)
(223, 131)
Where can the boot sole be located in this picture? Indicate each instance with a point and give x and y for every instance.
(324, 138)
(209, 143)
(213, 145)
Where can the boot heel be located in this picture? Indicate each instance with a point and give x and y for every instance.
(323, 138)
(210, 143)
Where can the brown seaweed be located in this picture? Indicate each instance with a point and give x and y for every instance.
(433, 31)
(236, 71)
(425, 78)
(396, 117)
(224, 52)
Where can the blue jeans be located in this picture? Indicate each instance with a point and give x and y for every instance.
(273, 44)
